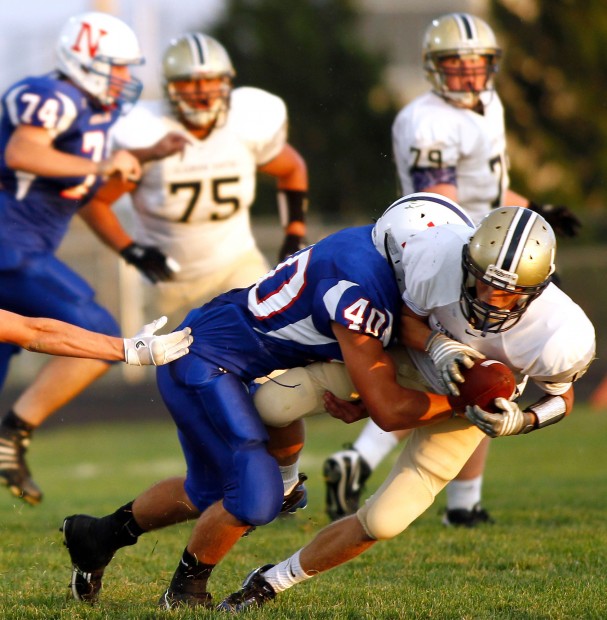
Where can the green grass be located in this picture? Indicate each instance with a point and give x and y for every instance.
(546, 556)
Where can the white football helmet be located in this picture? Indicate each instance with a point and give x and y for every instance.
(513, 250)
(408, 216)
(190, 58)
(459, 35)
(89, 46)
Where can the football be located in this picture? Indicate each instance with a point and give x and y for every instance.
(483, 383)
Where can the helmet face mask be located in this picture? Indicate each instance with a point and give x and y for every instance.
(460, 57)
(513, 251)
(198, 77)
(95, 51)
(407, 216)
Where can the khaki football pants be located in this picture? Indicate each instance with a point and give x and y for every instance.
(432, 456)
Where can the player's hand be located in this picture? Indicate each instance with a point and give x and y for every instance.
(290, 245)
(510, 420)
(171, 143)
(563, 221)
(121, 163)
(447, 355)
(146, 349)
(345, 410)
(152, 263)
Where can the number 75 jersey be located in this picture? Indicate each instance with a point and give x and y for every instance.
(195, 206)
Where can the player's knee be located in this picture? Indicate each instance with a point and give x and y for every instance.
(258, 494)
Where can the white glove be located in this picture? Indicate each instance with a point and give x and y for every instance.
(145, 349)
(511, 420)
(447, 354)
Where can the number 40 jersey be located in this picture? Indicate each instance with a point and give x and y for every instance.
(195, 206)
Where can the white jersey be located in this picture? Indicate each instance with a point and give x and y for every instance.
(195, 207)
(553, 343)
(431, 133)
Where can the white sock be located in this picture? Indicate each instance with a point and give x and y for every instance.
(286, 574)
(290, 476)
(464, 493)
(374, 445)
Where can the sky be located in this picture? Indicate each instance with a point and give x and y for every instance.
(29, 30)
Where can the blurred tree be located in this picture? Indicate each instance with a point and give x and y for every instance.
(310, 53)
(551, 81)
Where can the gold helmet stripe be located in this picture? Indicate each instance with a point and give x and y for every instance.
(516, 239)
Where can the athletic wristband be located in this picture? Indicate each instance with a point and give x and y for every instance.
(549, 410)
(292, 206)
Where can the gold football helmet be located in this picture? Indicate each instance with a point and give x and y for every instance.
(459, 36)
(188, 61)
(512, 250)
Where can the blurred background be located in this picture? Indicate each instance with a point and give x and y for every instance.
(344, 68)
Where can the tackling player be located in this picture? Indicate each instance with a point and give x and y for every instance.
(451, 141)
(490, 292)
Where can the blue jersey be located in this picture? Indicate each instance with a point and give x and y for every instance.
(342, 279)
(35, 211)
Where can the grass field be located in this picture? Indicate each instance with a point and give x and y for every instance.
(545, 557)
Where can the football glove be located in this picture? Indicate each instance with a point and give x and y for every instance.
(151, 262)
(146, 349)
(563, 221)
(510, 420)
(447, 355)
(290, 245)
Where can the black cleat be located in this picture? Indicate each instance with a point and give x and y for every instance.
(255, 592)
(345, 474)
(460, 517)
(88, 554)
(14, 472)
(173, 600)
(297, 499)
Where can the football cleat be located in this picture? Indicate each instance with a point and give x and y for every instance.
(14, 472)
(88, 554)
(461, 517)
(345, 474)
(297, 499)
(172, 599)
(255, 592)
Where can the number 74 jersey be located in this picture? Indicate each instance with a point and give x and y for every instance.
(195, 206)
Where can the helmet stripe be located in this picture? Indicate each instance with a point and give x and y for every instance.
(198, 46)
(445, 203)
(515, 241)
(466, 25)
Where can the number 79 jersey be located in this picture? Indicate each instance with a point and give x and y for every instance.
(341, 279)
(431, 134)
(195, 206)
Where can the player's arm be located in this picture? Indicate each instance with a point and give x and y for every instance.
(291, 174)
(102, 220)
(53, 337)
(172, 142)
(373, 373)
(448, 355)
(512, 420)
(31, 149)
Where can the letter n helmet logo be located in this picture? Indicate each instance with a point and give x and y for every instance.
(86, 41)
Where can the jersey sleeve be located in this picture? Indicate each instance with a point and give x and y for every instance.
(38, 104)
(431, 261)
(346, 303)
(260, 119)
(140, 128)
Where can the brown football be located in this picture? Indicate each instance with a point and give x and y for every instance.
(483, 383)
